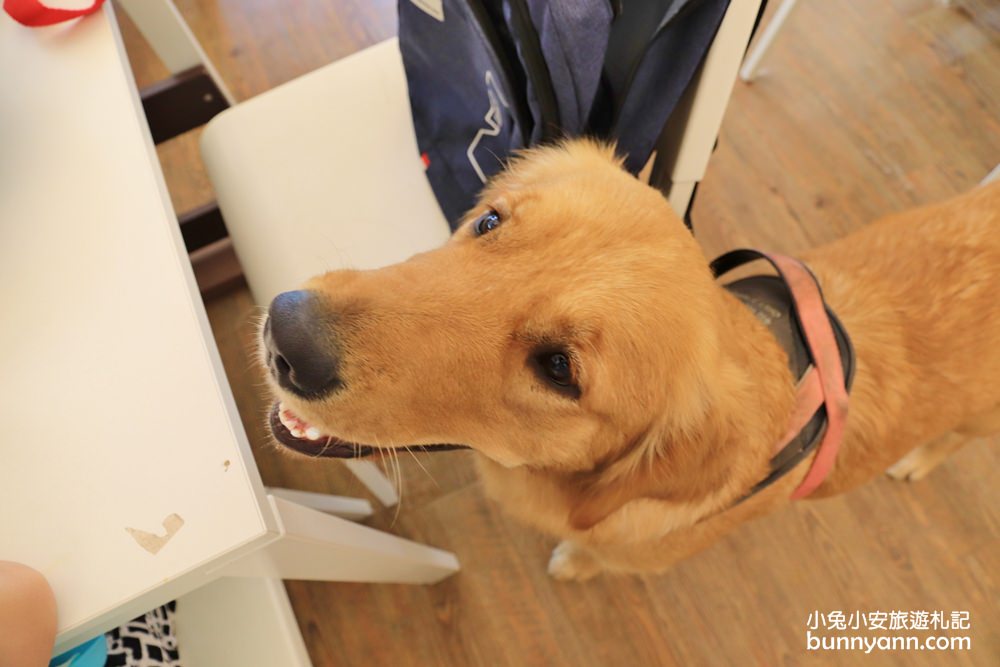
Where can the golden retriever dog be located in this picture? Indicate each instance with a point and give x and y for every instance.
(572, 333)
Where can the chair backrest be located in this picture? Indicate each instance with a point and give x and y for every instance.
(489, 77)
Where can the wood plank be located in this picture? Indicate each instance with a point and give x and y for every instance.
(202, 226)
(216, 269)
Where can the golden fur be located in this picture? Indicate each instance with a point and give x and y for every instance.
(683, 391)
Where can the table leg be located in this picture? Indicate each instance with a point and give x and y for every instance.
(239, 621)
(318, 546)
(352, 509)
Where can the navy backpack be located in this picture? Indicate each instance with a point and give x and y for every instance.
(489, 77)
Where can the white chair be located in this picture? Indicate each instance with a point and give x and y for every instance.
(323, 172)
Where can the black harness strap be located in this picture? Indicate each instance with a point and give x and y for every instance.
(771, 301)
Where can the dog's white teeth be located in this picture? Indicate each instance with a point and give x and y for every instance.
(296, 426)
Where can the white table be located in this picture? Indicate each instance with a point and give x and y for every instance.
(115, 416)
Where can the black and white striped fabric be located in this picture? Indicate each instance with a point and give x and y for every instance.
(146, 641)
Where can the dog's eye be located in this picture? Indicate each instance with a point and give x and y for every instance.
(557, 368)
(486, 222)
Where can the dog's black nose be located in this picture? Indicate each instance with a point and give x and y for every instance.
(299, 354)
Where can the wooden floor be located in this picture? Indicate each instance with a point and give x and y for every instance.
(865, 107)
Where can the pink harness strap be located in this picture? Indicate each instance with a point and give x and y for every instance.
(808, 399)
(828, 374)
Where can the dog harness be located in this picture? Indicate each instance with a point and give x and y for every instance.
(820, 357)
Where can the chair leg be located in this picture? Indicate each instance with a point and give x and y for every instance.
(171, 38)
(751, 65)
(320, 547)
(374, 480)
(992, 176)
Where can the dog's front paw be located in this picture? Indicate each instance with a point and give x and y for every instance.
(919, 462)
(572, 563)
(907, 469)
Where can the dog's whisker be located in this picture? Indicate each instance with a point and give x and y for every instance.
(410, 438)
(499, 159)
(399, 484)
(325, 447)
(381, 455)
(390, 454)
(426, 472)
(394, 472)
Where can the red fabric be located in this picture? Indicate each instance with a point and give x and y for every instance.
(826, 356)
(34, 14)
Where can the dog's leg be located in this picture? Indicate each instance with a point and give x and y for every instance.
(920, 461)
(571, 562)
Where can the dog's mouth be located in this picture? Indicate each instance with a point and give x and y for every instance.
(295, 433)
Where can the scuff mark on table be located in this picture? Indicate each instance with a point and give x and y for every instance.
(152, 542)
